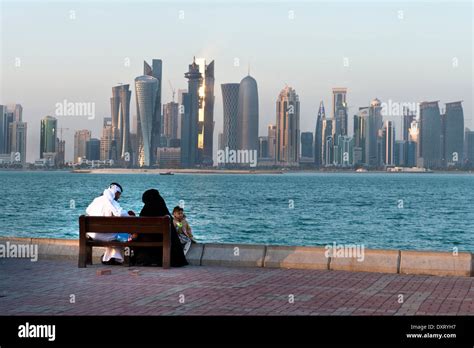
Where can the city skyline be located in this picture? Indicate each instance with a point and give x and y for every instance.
(313, 75)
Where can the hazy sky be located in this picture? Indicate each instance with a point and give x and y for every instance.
(399, 51)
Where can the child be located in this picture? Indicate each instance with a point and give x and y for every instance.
(182, 227)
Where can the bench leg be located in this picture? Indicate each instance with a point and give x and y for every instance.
(89, 255)
(167, 249)
(82, 257)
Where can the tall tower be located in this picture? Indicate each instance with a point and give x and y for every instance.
(248, 114)
(206, 112)
(190, 118)
(389, 143)
(146, 91)
(230, 102)
(429, 146)
(48, 136)
(318, 143)
(155, 70)
(453, 132)
(339, 105)
(288, 127)
(120, 111)
(81, 137)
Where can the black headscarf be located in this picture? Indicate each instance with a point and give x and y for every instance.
(155, 205)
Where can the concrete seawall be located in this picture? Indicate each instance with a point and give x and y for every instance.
(270, 256)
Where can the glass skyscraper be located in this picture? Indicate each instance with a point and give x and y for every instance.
(48, 135)
(146, 91)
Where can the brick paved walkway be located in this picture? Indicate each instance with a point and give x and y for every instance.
(45, 288)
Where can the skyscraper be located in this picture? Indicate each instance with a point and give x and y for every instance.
(190, 118)
(373, 151)
(120, 110)
(318, 142)
(170, 120)
(272, 135)
(361, 122)
(156, 71)
(288, 127)
(248, 114)
(93, 149)
(307, 144)
(106, 140)
(327, 141)
(230, 103)
(263, 147)
(146, 93)
(206, 112)
(339, 111)
(48, 135)
(453, 134)
(429, 146)
(3, 129)
(19, 136)
(389, 143)
(81, 137)
(469, 148)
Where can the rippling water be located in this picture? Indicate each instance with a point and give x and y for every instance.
(288, 209)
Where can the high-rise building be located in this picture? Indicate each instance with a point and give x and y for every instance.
(48, 136)
(408, 117)
(469, 148)
(399, 153)
(170, 121)
(146, 93)
(388, 143)
(429, 146)
(19, 136)
(373, 149)
(17, 113)
(230, 103)
(453, 134)
(93, 149)
(344, 151)
(272, 135)
(206, 112)
(248, 114)
(307, 144)
(361, 122)
(190, 118)
(318, 140)
(339, 112)
(156, 71)
(81, 137)
(7, 117)
(106, 141)
(263, 147)
(327, 126)
(120, 109)
(288, 127)
(60, 152)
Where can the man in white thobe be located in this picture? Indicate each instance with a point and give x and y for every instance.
(107, 205)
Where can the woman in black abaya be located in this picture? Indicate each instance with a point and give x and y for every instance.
(155, 206)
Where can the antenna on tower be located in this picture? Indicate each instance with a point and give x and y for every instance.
(172, 89)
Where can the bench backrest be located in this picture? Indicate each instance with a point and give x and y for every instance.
(126, 224)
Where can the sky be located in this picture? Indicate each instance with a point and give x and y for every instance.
(403, 52)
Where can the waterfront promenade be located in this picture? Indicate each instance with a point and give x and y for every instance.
(59, 287)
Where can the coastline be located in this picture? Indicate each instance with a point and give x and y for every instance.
(392, 261)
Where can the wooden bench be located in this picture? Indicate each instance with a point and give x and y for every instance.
(128, 224)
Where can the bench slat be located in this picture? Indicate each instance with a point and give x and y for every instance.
(123, 228)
